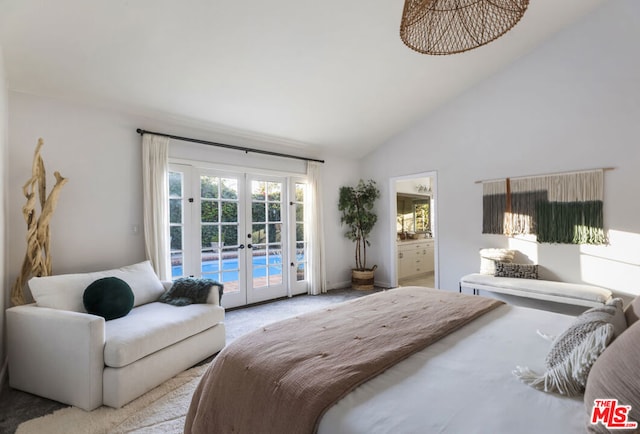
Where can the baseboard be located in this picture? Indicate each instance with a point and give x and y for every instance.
(339, 285)
(347, 284)
(4, 372)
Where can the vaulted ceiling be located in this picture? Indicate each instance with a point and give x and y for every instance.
(331, 76)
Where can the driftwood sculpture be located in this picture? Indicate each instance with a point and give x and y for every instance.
(37, 260)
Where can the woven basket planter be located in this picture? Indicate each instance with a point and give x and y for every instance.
(362, 279)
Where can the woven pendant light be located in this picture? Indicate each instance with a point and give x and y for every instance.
(455, 26)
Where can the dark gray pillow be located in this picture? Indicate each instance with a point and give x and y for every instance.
(522, 271)
(633, 311)
(615, 376)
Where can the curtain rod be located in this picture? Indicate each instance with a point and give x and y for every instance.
(222, 145)
(546, 174)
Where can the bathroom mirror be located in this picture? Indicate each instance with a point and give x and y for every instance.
(413, 214)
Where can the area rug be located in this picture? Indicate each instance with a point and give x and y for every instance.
(161, 410)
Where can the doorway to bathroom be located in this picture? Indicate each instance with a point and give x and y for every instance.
(414, 225)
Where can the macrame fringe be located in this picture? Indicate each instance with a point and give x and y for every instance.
(545, 336)
(570, 377)
(565, 208)
(570, 222)
(494, 205)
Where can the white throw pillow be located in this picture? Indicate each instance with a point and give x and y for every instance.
(489, 257)
(65, 291)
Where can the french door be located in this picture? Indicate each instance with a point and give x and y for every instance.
(244, 230)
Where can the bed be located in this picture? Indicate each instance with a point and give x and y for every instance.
(459, 382)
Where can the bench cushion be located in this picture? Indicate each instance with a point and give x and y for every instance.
(154, 326)
(541, 289)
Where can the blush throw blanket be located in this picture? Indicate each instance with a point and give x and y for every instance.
(285, 376)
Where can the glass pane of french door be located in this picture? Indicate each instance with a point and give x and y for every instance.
(299, 265)
(267, 238)
(176, 222)
(220, 243)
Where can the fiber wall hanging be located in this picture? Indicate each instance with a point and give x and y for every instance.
(562, 208)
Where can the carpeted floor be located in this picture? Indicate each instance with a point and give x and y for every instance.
(17, 407)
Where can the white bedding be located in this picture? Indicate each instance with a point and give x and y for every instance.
(463, 384)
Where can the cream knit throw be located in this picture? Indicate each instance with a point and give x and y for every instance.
(575, 351)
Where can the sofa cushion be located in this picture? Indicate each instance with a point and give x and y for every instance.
(154, 326)
(108, 297)
(65, 291)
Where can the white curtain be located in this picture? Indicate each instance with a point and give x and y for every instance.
(155, 169)
(317, 277)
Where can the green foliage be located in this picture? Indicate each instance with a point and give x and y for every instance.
(356, 204)
(219, 211)
(215, 210)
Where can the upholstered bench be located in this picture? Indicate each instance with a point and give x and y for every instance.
(561, 292)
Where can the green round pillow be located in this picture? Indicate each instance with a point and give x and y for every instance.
(108, 297)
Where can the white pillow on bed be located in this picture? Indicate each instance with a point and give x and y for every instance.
(574, 352)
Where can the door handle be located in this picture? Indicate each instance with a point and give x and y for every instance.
(249, 246)
(241, 246)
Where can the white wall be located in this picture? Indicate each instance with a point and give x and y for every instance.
(572, 104)
(340, 252)
(4, 281)
(99, 151)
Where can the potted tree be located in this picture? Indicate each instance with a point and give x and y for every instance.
(356, 204)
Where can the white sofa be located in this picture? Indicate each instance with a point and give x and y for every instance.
(58, 351)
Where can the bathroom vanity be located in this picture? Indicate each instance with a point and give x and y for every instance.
(415, 257)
